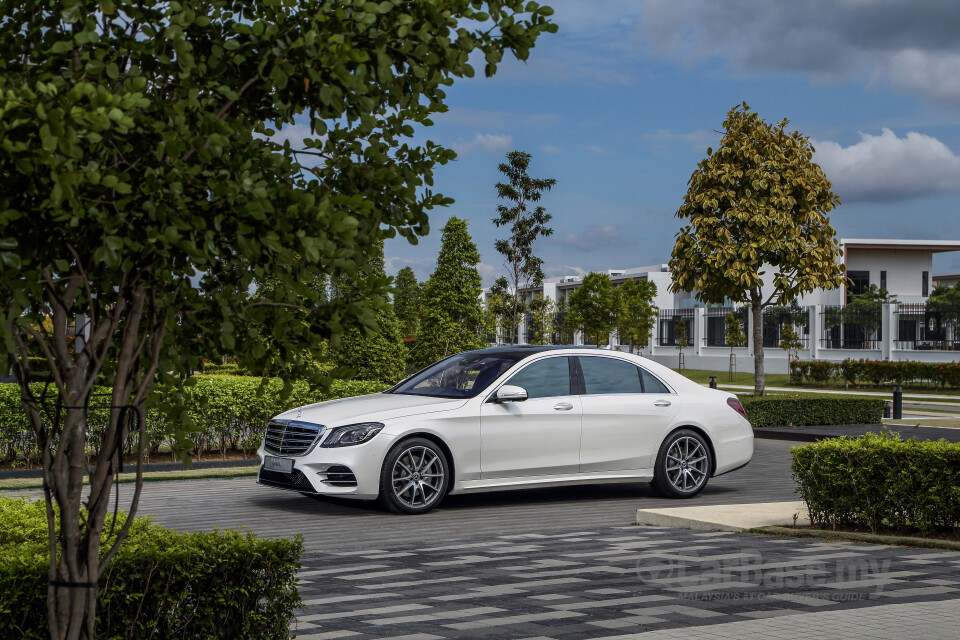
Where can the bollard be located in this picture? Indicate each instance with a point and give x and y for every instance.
(897, 403)
(886, 409)
(713, 382)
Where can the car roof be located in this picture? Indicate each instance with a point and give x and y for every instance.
(521, 351)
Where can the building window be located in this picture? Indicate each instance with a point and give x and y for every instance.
(926, 284)
(858, 282)
(883, 279)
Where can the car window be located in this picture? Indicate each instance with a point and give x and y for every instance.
(609, 375)
(652, 384)
(457, 377)
(545, 378)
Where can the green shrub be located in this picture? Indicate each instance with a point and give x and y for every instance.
(161, 584)
(227, 410)
(876, 372)
(880, 481)
(785, 411)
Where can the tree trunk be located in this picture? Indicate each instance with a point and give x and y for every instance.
(757, 311)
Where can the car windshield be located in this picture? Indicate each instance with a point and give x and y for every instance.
(462, 376)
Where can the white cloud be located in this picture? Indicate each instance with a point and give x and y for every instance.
(485, 142)
(886, 168)
(564, 270)
(596, 237)
(489, 273)
(600, 151)
(911, 45)
(482, 119)
(549, 148)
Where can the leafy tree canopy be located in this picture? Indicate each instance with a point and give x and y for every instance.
(146, 188)
(593, 307)
(757, 204)
(636, 313)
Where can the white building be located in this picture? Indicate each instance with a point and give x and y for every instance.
(902, 331)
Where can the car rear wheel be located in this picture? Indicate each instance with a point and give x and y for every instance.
(414, 477)
(683, 465)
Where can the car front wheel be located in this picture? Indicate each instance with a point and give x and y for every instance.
(414, 477)
(683, 465)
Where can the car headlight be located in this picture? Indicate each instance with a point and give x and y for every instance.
(352, 434)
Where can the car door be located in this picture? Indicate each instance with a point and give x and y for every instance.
(536, 436)
(625, 412)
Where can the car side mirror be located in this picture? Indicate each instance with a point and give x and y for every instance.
(511, 393)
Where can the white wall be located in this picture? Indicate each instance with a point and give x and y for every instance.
(904, 270)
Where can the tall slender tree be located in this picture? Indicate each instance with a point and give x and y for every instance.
(453, 318)
(527, 221)
(757, 205)
(407, 294)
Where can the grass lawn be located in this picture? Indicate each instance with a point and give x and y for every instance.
(926, 421)
(850, 536)
(151, 476)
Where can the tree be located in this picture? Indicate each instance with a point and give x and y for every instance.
(593, 307)
(407, 295)
(502, 304)
(542, 311)
(682, 338)
(865, 309)
(371, 353)
(945, 300)
(526, 225)
(733, 332)
(453, 318)
(145, 190)
(563, 325)
(636, 313)
(790, 341)
(757, 204)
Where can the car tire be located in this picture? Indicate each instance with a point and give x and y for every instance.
(683, 466)
(414, 477)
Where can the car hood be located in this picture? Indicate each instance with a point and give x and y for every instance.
(375, 407)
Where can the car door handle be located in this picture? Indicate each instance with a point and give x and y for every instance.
(662, 403)
(563, 406)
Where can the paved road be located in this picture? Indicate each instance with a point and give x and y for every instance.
(342, 525)
(611, 583)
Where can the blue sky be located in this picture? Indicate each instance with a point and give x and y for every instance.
(621, 104)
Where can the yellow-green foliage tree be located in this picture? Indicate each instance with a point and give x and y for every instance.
(755, 208)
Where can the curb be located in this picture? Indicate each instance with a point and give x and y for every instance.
(153, 466)
(815, 433)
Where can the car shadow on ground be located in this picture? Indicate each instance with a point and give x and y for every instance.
(570, 495)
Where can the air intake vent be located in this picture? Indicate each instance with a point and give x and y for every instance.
(291, 437)
(295, 480)
(340, 476)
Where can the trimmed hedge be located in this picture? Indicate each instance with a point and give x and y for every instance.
(161, 584)
(876, 372)
(880, 481)
(228, 413)
(787, 411)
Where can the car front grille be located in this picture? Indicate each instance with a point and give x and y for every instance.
(291, 437)
(294, 480)
(340, 476)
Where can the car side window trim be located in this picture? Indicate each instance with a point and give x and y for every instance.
(578, 385)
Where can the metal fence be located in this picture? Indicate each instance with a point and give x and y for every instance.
(775, 319)
(667, 322)
(925, 327)
(844, 327)
(715, 334)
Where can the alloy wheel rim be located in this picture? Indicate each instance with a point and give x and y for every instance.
(686, 464)
(417, 477)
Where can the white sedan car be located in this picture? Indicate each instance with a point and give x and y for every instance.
(510, 418)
